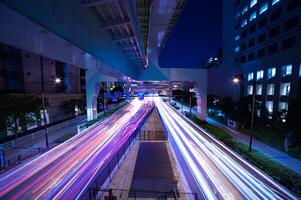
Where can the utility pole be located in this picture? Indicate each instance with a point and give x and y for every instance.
(43, 101)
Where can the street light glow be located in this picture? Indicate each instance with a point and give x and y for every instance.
(235, 80)
(57, 80)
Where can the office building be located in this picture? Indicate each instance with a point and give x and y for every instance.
(20, 73)
(262, 45)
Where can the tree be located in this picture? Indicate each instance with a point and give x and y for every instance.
(263, 121)
(15, 109)
(293, 136)
(213, 101)
(242, 113)
(68, 106)
(101, 97)
(227, 106)
(3, 113)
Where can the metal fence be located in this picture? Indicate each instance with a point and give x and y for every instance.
(12, 162)
(120, 194)
(149, 135)
(107, 171)
(21, 140)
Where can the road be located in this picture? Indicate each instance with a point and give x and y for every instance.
(214, 170)
(275, 154)
(65, 171)
(278, 156)
(30, 148)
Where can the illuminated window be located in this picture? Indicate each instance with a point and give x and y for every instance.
(269, 106)
(236, 37)
(258, 89)
(236, 49)
(283, 106)
(287, 70)
(244, 10)
(274, 2)
(300, 70)
(253, 3)
(160, 37)
(271, 72)
(270, 89)
(259, 75)
(244, 23)
(250, 76)
(252, 16)
(285, 89)
(263, 8)
(250, 89)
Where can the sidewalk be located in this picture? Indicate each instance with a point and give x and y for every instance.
(33, 147)
(281, 157)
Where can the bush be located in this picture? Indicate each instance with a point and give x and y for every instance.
(278, 172)
(65, 137)
(102, 116)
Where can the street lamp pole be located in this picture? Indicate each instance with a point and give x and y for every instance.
(252, 116)
(43, 102)
(45, 120)
(236, 81)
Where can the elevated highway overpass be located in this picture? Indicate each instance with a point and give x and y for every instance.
(114, 40)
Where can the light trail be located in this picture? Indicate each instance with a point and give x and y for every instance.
(217, 171)
(65, 171)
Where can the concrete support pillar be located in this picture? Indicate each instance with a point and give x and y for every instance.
(92, 90)
(201, 95)
(127, 90)
(93, 78)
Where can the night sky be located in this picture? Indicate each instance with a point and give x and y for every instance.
(197, 35)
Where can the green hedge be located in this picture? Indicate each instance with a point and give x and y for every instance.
(278, 172)
(67, 136)
(102, 116)
(64, 137)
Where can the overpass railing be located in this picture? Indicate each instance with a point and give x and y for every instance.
(106, 173)
(116, 194)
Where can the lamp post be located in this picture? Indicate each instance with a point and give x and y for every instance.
(252, 116)
(191, 90)
(236, 81)
(57, 81)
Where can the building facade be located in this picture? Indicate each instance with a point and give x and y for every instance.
(21, 73)
(262, 45)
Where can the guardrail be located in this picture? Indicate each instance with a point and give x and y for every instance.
(21, 140)
(105, 174)
(149, 135)
(113, 194)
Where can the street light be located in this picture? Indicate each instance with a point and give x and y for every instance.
(57, 81)
(236, 81)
